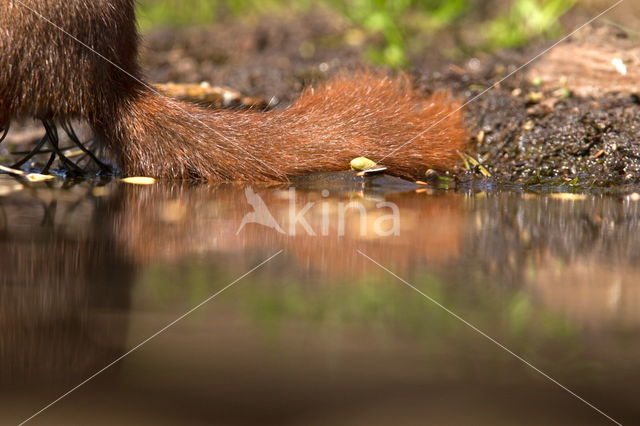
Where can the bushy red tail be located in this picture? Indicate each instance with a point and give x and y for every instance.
(351, 116)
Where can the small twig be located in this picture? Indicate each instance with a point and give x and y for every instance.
(11, 171)
(471, 164)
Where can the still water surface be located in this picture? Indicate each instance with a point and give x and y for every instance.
(320, 334)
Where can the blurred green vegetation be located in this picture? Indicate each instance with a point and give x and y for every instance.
(397, 25)
(197, 12)
(374, 301)
(399, 20)
(527, 19)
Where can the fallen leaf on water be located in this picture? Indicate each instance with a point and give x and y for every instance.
(37, 177)
(139, 180)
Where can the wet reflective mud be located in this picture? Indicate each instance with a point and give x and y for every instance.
(320, 334)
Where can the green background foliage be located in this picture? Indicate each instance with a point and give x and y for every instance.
(397, 24)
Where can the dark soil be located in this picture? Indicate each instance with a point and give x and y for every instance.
(531, 136)
(593, 139)
(274, 57)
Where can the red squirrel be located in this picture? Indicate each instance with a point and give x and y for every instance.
(78, 59)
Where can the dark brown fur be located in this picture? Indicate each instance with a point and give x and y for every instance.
(47, 74)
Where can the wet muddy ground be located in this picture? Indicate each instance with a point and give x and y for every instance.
(533, 136)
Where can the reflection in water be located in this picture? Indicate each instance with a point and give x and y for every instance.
(580, 257)
(320, 335)
(55, 276)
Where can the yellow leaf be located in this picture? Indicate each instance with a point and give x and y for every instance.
(139, 180)
(362, 163)
(37, 177)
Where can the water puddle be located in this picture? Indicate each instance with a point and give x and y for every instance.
(323, 332)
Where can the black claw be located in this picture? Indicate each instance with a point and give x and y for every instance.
(5, 132)
(56, 152)
(36, 150)
(52, 132)
(68, 128)
(47, 166)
